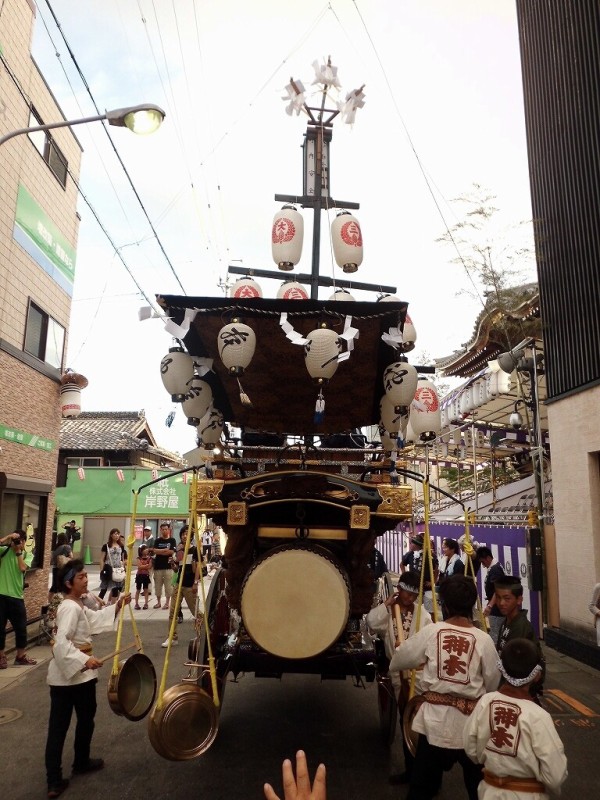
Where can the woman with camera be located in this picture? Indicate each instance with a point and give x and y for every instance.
(12, 605)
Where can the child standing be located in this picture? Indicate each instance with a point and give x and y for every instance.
(142, 577)
(508, 592)
(515, 739)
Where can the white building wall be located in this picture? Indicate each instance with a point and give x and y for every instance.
(575, 444)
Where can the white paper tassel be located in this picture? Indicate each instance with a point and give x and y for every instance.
(319, 408)
(244, 399)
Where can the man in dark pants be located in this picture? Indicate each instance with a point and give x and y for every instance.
(460, 665)
(12, 605)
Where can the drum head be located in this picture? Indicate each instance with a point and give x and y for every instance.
(410, 712)
(295, 601)
(186, 725)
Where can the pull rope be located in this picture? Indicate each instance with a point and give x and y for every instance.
(136, 634)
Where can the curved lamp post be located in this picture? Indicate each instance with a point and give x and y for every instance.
(142, 119)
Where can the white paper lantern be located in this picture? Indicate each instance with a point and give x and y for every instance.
(236, 343)
(70, 401)
(245, 287)
(394, 421)
(389, 443)
(346, 238)
(292, 290)
(342, 294)
(321, 354)
(176, 369)
(409, 334)
(197, 400)
(425, 415)
(400, 383)
(211, 427)
(389, 298)
(287, 234)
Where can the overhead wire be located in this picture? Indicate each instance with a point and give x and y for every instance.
(416, 155)
(117, 154)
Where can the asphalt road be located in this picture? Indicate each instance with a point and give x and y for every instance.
(263, 721)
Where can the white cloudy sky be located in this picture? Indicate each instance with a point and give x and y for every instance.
(443, 97)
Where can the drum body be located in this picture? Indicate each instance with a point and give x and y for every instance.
(295, 601)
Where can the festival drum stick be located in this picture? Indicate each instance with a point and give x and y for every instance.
(116, 653)
(399, 628)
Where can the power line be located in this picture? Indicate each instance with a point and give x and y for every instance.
(124, 168)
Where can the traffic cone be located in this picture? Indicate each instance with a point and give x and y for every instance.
(87, 559)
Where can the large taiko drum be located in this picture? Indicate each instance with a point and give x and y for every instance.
(296, 601)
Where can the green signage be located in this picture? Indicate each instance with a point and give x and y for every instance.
(109, 490)
(40, 237)
(28, 439)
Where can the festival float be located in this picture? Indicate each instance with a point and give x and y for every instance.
(281, 391)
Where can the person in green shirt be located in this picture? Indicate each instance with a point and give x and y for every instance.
(508, 592)
(12, 605)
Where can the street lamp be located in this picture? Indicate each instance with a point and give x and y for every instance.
(142, 119)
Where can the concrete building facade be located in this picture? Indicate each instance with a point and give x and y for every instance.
(38, 239)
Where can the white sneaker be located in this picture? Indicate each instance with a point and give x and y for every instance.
(166, 642)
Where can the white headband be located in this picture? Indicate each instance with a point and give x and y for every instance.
(519, 681)
(411, 589)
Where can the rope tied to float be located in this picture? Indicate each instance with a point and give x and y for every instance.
(128, 569)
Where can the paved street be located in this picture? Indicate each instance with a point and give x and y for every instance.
(262, 721)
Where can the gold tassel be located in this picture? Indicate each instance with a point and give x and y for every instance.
(244, 399)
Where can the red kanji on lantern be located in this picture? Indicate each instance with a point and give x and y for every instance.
(428, 398)
(351, 234)
(284, 230)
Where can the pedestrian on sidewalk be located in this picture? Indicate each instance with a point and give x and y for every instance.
(163, 551)
(12, 604)
(594, 607)
(142, 575)
(72, 675)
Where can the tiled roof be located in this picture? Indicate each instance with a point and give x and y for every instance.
(492, 326)
(108, 430)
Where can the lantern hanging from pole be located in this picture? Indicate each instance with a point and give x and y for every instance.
(245, 287)
(321, 351)
(292, 290)
(409, 334)
(210, 428)
(393, 421)
(388, 298)
(425, 415)
(197, 400)
(400, 383)
(342, 294)
(176, 369)
(287, 234)
(236, 343)
(387, 442)
(70, 393)
(346, 238)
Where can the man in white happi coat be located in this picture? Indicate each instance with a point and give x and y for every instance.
(460, 665)
(512, 736)
(384, 620)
